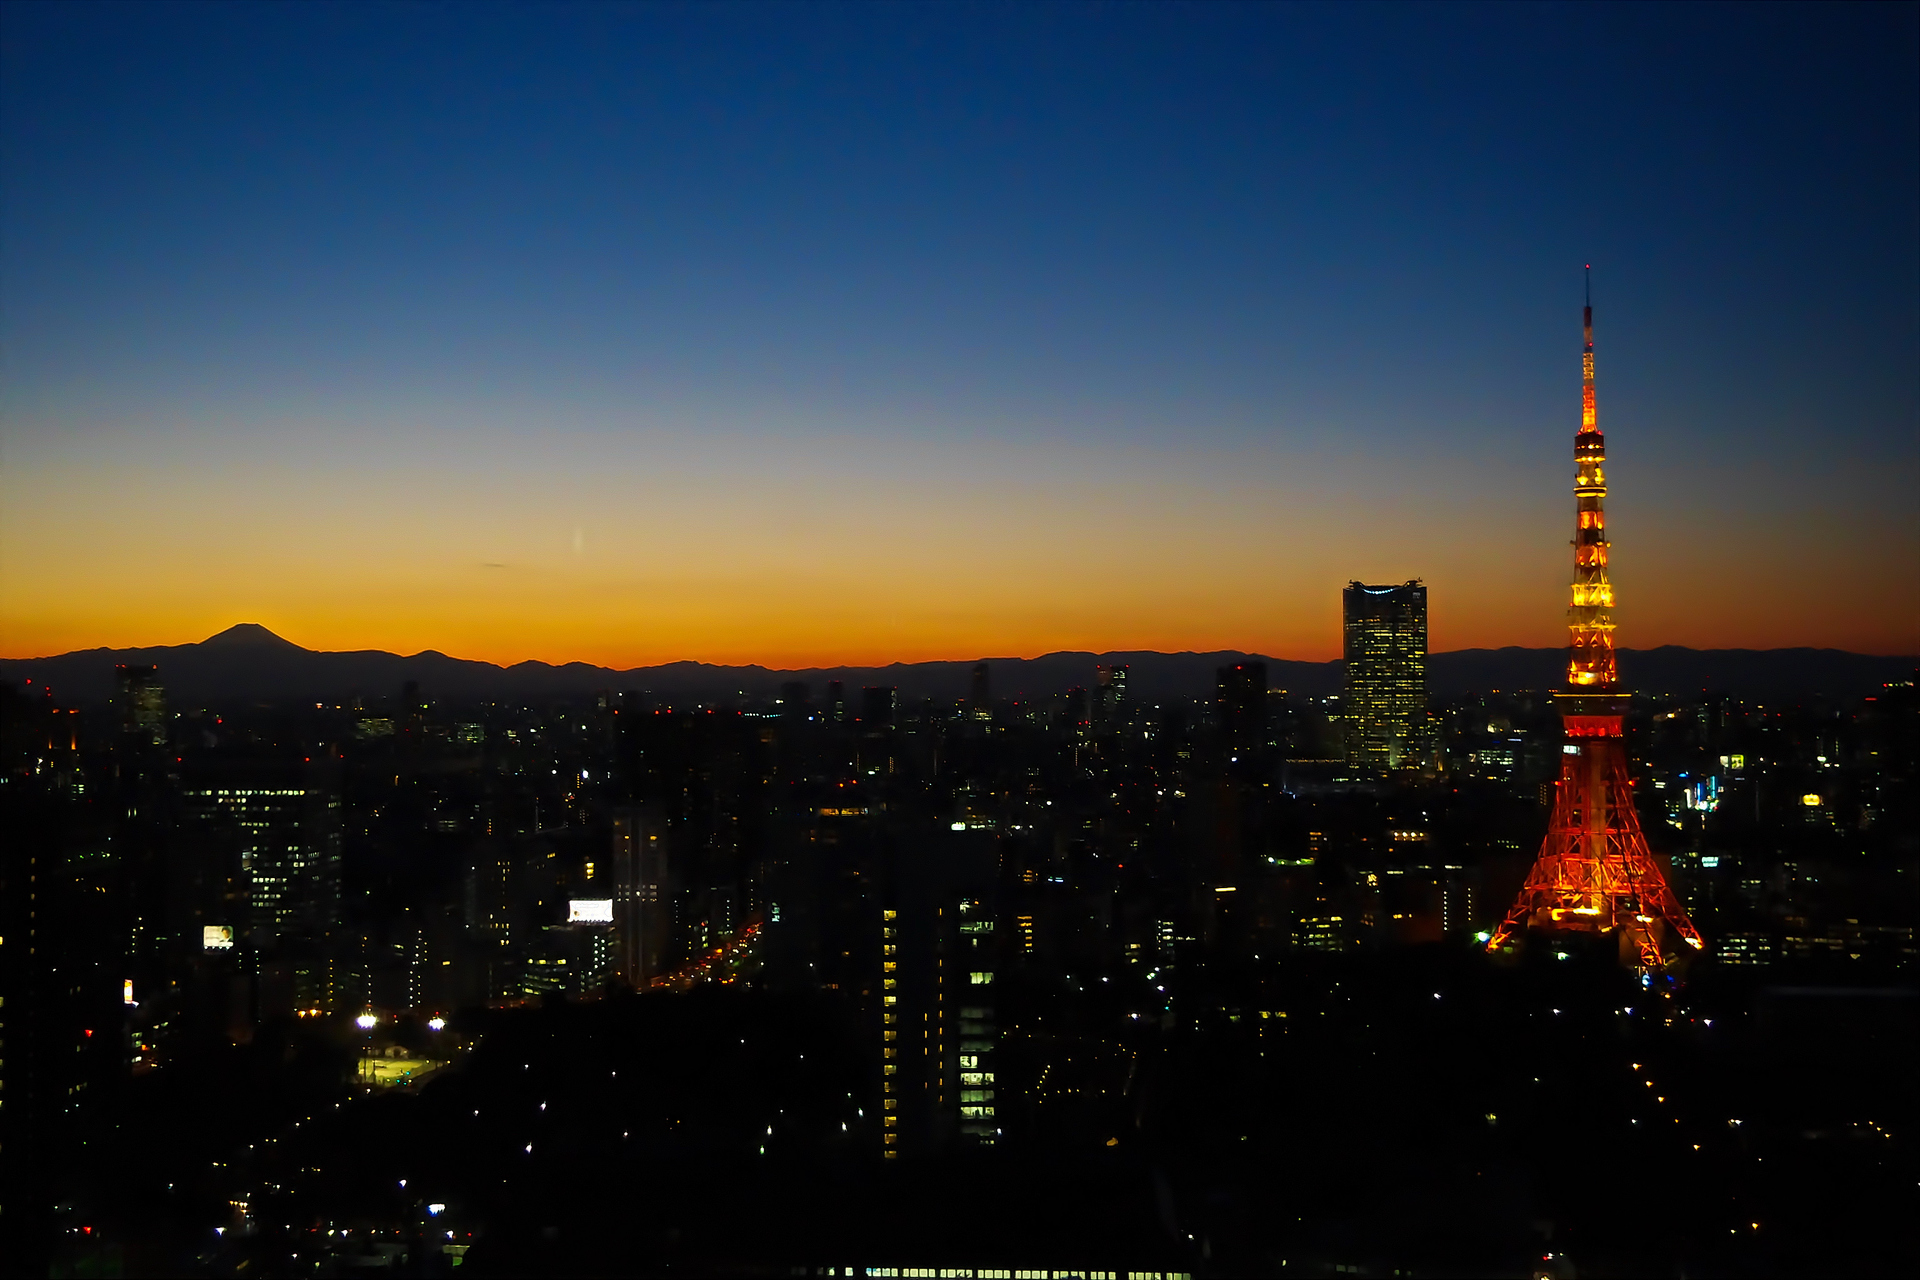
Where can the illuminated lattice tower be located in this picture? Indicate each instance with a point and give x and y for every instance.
(1595, 873)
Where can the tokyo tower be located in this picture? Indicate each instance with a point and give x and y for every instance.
(1595, 873)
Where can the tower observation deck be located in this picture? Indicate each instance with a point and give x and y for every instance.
(1595, 873)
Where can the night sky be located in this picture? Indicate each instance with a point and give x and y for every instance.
(814, 333)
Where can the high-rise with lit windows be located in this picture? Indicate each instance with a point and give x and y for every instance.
(939, 1032)
(1386, 666)
(642, 901)
(1110, 694)
(287, 821)
(141, 702)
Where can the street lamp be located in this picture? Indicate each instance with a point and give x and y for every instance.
(366, 1022)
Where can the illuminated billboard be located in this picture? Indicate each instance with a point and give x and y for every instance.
(590, 911)
(216, 937)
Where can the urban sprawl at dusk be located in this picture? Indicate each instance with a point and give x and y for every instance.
(932, 641)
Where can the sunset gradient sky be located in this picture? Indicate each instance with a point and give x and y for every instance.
(814, 334)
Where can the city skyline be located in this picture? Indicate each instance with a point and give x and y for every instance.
(633, 336)
(710, 638)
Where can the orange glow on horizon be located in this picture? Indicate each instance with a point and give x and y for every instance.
(807, 644)
(731, 554)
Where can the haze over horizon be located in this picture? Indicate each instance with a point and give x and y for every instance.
(843, 335)
(254, 634)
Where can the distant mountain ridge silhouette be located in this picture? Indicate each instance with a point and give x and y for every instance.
(249, 661)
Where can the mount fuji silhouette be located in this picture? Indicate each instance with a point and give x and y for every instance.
(248, 634)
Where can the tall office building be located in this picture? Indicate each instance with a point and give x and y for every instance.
(877, 703)
(796, 699)
(938, 1028)
(1240, 702)
(141, 702)
(287, 819)
(642, 899)
(1111, 689)
(980, 698)
(489, 892)
(497, 908)
(1386, 659)
(969, 1073)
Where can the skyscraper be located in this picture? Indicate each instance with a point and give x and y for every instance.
(1240, 699)
(141, 702)
(938, 1027)
(1386, 653)
(642, 901)
(286, 817)
(876, 707)
(980, 699)
(1112, 694)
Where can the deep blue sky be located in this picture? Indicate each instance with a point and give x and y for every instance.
(1016, 326)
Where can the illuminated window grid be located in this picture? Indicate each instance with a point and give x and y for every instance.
(890, 1034)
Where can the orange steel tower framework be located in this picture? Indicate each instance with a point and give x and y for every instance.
(1595, 873)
